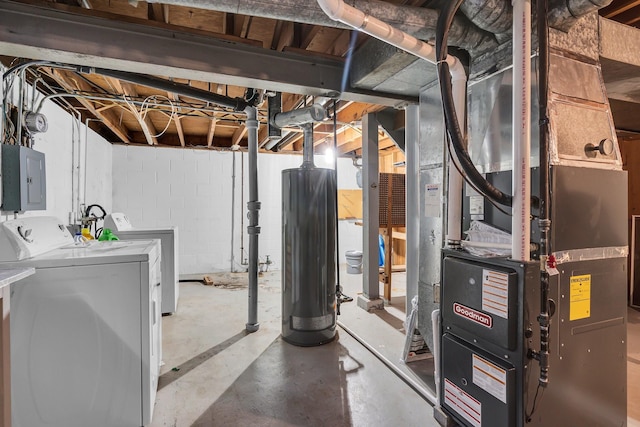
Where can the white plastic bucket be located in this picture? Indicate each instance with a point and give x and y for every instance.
(354, 262)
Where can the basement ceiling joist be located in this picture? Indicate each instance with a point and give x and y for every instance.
(97, 40)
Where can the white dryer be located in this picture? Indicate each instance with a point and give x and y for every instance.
(85, 328)
(121, 226)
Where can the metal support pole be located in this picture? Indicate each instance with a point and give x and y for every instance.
(370, 297)
(307, 146)
(253, 206)
(412, 156)
(233, 210)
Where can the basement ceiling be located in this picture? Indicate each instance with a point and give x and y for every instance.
(127, 113)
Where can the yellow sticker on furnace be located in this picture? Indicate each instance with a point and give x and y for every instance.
(580, 293)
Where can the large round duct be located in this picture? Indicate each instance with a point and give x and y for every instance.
(308, 256)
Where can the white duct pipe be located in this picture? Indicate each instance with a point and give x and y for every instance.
(521, 150)
(340, 11)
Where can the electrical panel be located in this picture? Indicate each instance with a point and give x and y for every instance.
(23, 179)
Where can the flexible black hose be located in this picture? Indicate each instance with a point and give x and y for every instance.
(453, 126)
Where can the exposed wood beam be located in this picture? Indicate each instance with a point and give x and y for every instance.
(308, 36)
(354, 111)
(176, 119)
(71, 83)
(148, 128)
(228, 23)
(285, 38)
(263, 135)
(165, 13)
(238, 134)
(156, 12)
(173, 141)
(618, 7)
(211, 133)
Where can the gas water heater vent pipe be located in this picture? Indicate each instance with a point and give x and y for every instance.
(521, 146)
(340, 11)
(307, 146)
(304, 118)
(253, 206)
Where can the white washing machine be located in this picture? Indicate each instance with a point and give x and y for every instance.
(85, 328)
(121, 226)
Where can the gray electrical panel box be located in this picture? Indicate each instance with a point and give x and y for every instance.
(23, 179)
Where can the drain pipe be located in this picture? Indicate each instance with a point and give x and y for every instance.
(521, 147)
(233, 210)
(253, 206)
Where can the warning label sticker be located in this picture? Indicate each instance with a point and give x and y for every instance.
(495, 293)
(432, 200)
(490, 378)
(580, 297)
(466, 406)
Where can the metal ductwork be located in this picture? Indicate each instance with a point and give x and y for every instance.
(417, 21)
(495, 16)
(564, 13)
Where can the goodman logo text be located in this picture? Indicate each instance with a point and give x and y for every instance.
(473, 315)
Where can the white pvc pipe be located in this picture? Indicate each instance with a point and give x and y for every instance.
(338, 10)
(521, 178)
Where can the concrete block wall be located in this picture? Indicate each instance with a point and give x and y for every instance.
(192, 189)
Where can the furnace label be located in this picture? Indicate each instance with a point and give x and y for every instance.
(432, 200)
(473, 315)
(490, 378)
(495, 293)
(580, 297)
(466, 406)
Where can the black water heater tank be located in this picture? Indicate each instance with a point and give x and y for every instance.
(309, 252)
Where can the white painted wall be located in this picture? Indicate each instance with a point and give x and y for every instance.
(192, 189)
(64, 145)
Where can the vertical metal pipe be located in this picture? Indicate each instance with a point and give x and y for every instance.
(253, 205)
(521, 148)
(545, 218)
(307, 146)
(371, 202)
(233, 208)
(20, 105)
(412, 156)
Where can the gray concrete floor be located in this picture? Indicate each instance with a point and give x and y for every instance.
(215, 374)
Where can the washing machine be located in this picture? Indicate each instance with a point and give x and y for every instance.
(85, 328)
(121, 226)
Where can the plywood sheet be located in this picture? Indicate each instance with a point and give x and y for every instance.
(349, 204)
